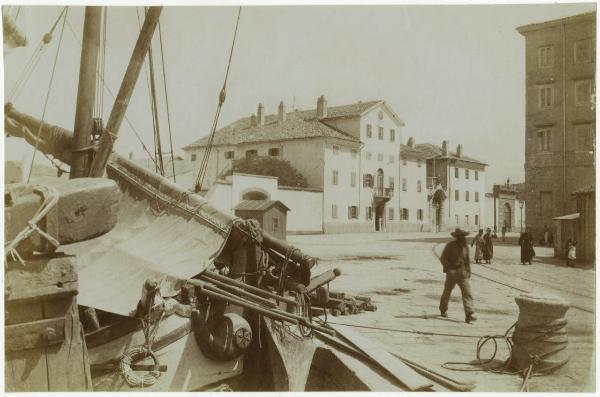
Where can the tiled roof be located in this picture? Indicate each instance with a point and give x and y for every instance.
(430, 150)
(413, 152)
(298, 124)
(258, 205)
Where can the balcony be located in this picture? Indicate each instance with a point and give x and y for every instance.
(432, 183)
(383, 194)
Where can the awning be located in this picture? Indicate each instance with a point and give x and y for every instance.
(569, 217)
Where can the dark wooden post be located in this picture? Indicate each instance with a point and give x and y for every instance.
(124, 95)
(86, 91)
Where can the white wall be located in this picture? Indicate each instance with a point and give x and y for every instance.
(411, 198)
(463, 207)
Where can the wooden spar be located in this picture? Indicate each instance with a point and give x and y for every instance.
(129, 80)
(209, 276)
(241, 292)
(158, 150)
(245, 304)
(86, 90)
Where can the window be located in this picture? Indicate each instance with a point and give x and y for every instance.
(466, 174)
(476, 198)
(251, 154)
(367, 180)
(380, 134)
(369, 213)
(369, 131)
(391, 182)
(403, 184)
(419, 186)
(336, 177)
(456, 172)
(193, 157)
(336, 149)
(404, 214)
(419, 214)
(476, 175)
(391, 159)
(275, 224)
(229, 154)
(546, 56)
(466, 219)
(353, 212)
(392, 135)
(274, 152)
(334, 211)
(379, 156)
(368, 155)
(391, 214)
(582, 51)
(456, 195)
(456, 219)
(545, 96)
(583, 92)
(546, 204)
(353, 179)
(467, 195)
(419, 163)
(544, 140)
(477, 220)
(584, 133)
(353, 153)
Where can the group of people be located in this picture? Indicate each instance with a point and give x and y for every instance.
(484, 247)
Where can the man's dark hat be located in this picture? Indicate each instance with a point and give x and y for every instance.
(459, 233)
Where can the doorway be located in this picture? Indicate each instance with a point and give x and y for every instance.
(379, 217)
(507, 216)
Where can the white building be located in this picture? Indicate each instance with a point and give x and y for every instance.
(414, 206)
(349, 152)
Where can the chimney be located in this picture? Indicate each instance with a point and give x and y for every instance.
(253, 120)
(281, 112)
(321, 107)
(260, 114)
(459, 151)
(411, 142)
(445, 148)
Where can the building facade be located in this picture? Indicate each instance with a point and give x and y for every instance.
(560, 117)
(414, 203)
(505, 206)
(350, 153)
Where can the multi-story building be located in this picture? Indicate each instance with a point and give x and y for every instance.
(414, 207)
(349, 152)
(455, 188)
(560, 118)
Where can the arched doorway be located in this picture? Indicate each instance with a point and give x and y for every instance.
(379, 179)
(255, 195)
(437, 202)
(507, 216)
(380, 206)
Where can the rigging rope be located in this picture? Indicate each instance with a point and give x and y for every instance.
(48, 94)
(164, 73)
(129, 123)
(33, 61)
(222, 94)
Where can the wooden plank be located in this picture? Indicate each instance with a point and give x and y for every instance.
(42, 277)
(22, 312)
(34, 334)
(402, 372)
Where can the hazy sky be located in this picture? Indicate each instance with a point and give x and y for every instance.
(450, 72)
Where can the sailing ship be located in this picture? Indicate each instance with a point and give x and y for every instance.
(156, 288)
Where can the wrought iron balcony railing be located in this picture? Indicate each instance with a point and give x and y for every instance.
(383, 192)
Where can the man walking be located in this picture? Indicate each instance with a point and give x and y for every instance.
(455, 260)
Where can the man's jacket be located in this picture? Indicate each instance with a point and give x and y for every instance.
(455, 259)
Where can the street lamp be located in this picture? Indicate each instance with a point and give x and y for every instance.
(521, 204)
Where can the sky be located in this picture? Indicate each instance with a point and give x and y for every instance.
(451, 72)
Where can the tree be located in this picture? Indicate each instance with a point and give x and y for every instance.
(270, 166)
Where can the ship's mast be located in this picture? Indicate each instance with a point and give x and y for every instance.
(86, 91)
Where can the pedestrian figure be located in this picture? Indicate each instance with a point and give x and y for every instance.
(478, 242)
(571, 253)
(546, 236)
(526, 243)
(488, 246)
(503, 231)
(457, 266)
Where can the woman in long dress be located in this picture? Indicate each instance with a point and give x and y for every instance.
(478, 242)
(488, 246)
(526, 243)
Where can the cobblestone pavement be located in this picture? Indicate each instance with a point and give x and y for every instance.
(403, 276)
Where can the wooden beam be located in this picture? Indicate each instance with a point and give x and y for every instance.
(122, 101)
(86, 90)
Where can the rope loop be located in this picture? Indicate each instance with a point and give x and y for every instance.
(132, 355)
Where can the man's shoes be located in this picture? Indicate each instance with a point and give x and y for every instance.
(444, 314)
(471, 318)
